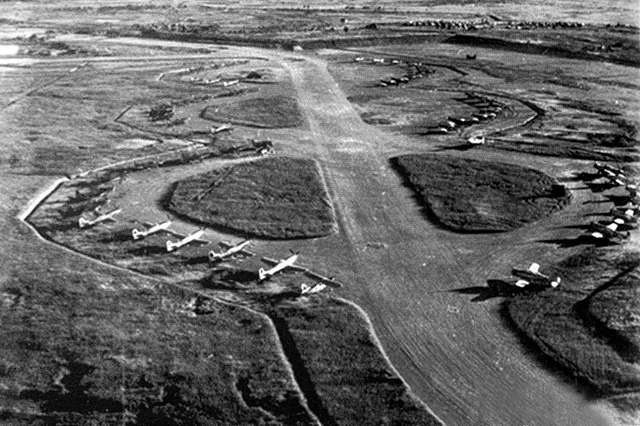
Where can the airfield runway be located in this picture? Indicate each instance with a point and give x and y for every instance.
(456, 354)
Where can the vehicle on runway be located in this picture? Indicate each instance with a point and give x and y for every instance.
(532, 276)
(279, 266)
(231, 250)
(84, 223)
(608, 233)
(153, 228)
(187, 239)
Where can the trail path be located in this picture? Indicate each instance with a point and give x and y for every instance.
(455, 354)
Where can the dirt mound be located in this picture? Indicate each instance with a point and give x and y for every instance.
(480, 196)
(273, 198)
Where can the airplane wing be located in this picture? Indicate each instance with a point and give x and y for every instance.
(597, 235)
(274, 262)
(225, 244)
(534, 268)
(247, 252)
(270, 261)
(613, 226)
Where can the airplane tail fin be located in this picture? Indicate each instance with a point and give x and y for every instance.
(136, 234)
(555, 283)
(522, 283)
(171, 246)
(213, 256)
(262, 275)
(304, 288)
(82, 222)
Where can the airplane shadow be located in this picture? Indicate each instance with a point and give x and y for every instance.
(618, 200)
(148, 250)
(461, 147)
(583, 226)
(495, 288)
(117, 237)
(568, 242)
(599, 187)
(587, 176)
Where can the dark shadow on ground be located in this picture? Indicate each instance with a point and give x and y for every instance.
(495, 288)
(461, 147)
(569, 242)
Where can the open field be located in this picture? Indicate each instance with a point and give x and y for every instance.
(101, 329)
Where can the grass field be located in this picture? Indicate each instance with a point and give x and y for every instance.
(354, 384)
(272, 198)
(98, 354)
(479, 196)
(274, 112)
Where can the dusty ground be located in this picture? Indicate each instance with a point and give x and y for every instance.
(456, 355)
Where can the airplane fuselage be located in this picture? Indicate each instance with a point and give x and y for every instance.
(171, 246)
(213, 256)
(284, 263)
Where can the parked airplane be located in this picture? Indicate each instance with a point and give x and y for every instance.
(153, 228)
(188, 239)
(225, 127)
(476, 140)
(609, 232)
(616, 180)
(626, 215)
(279, 266)
(83, 223)
(532, 276)
(307, 289)
(607, 169)
(231, 250)
(625, 226)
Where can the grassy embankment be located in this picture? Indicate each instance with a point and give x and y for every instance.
(479, 196)
(337, 361)
(589, 325)
(270, 198)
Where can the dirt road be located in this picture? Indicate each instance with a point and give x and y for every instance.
(455, 354)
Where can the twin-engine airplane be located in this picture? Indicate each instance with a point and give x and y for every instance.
(188, 239)
(279, 266)
(231, 250)
(608, 232)
(153, 228)
(628, 215)
(225, 127)
(307, 289)
(534, 277)
(83, 223)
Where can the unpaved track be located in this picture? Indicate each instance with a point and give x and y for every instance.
(454, 354)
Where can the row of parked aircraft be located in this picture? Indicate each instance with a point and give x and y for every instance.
(625, 218)
(229, 250)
